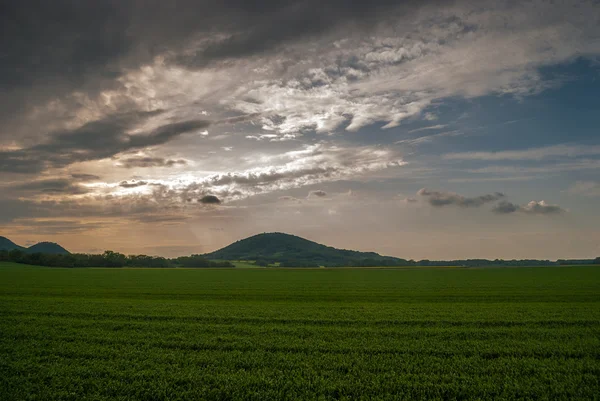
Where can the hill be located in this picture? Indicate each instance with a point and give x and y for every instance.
(47, 248)
(8, 245)
(42, 247)
(291, 251)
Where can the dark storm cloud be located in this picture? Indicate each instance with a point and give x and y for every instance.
(440, 198)
(94, 141)
(260, 26)
(141, 162)
(51, 48)
(209, 200)
(533, 207)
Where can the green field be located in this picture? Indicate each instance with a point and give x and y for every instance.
(291, 334)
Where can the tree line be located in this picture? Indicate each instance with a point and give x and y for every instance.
(106, 259)
(396, 262)
(115, 259)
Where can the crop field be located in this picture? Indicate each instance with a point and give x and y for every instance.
(292, 334)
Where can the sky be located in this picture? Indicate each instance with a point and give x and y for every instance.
(418, 129)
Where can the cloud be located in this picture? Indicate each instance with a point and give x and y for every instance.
(132, 184)
(511, 170)
(533, 207)
(267, 25)
(143, 162)
(432, 127)
(209, 200)
(415, 54)
(55, 226)
(310, 165)
(505, 207)
(294, 65)
(541, 207)
(85, 177)
(88, 88)
(267, 176)
(317, 193)
(429, 138)
(406, 65)
(440, 198)
(94, 141)
(101, 43)
(547, 152)
(158, 218)
(51, 186)
(272, 137)
(288, 198)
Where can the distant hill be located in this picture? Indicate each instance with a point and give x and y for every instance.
(42, 247)
(290, 250)
(8, 245)
(48, 248)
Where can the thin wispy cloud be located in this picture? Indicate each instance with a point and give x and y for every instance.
(432, 127)
(442, 198)
(547, 152)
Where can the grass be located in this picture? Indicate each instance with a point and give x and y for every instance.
(260, 334)
(245, 264)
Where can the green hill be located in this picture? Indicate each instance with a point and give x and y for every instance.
(290, 250)
(8, 245)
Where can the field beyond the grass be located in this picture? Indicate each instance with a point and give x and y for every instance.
(294, 334)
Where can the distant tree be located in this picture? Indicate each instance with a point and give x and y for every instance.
(199, 261)
(16, 255)
(147, 261)
(114, 259)
(597, 261)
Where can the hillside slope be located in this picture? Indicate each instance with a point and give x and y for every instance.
(8, 245)
(290, 250)
(47, 248)
(42, 247)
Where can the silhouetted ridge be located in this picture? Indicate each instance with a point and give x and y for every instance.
(42, 247)
(48, 248)
(291, 250)
(8, 245)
